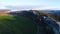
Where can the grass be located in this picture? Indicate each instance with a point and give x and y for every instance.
(16, 25)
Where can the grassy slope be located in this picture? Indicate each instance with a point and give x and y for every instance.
(16, 25)
(50, 16)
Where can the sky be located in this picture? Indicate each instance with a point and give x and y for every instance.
(30, 4)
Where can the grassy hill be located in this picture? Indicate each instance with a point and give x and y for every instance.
(16, 25)
(19, 24)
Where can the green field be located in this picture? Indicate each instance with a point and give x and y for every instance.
(16, 25)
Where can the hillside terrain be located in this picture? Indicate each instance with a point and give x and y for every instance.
(55, 14)
(17, 22)
(4, 12)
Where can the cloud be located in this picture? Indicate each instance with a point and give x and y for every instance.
(29, 6)
(23, 7)
(20, 6)
(2, 6)
(48, 7)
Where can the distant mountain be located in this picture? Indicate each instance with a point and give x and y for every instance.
(4, 12)
(55, 14)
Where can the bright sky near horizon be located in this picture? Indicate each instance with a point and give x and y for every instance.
(30, 4)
